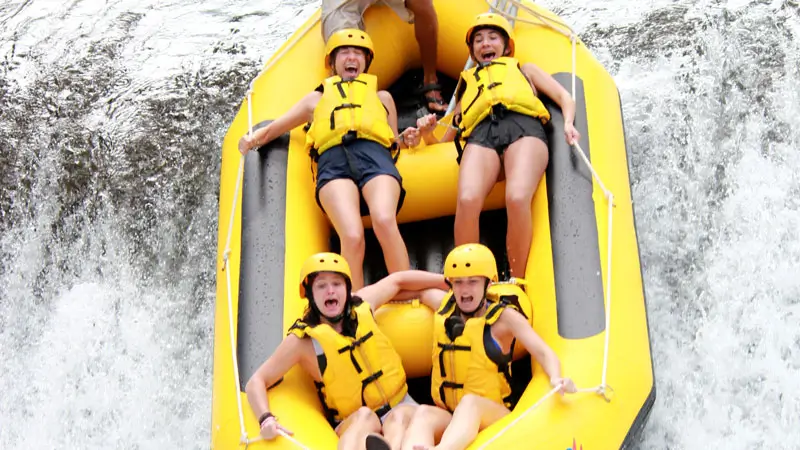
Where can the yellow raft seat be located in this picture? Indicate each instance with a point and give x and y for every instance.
(587, 299)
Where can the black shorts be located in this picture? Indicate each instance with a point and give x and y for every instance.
(360, 160)
(506, 129)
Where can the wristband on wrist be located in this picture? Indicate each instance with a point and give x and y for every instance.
(264, 417)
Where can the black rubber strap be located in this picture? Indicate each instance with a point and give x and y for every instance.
(264, 417)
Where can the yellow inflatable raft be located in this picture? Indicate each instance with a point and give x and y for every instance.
(583, 272)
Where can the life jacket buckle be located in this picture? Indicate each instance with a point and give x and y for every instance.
(454, 327)
(498, 112)
(350, 137)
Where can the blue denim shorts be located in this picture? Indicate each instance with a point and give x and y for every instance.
(360, 160)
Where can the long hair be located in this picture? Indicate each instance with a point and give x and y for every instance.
(313, 317)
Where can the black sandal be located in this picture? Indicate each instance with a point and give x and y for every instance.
(377, 442)
(424, 90)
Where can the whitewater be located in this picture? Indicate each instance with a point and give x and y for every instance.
(111, 121)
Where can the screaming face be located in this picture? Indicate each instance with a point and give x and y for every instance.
(350, 62)
(329, 290)
(488, 44)
(469, 293)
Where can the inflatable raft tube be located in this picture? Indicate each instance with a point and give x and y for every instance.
(271, 223)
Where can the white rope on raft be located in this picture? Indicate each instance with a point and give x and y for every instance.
(244, 439)
(609, 196)
(282, 433)
(603, 388)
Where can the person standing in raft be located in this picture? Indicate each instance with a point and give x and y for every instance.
(474, 342)
(341, 14)
(351, 135)
(502, 121)
(358, 374)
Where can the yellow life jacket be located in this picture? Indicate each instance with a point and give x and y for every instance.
(364, 370)
(498, 82)
(349, 109)
(466, 365)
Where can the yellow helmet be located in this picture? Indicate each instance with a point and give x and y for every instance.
(349, 37)
(470, 260)
(323, 262)
(492, 20)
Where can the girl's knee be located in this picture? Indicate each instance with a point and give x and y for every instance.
(424, 414)
(398, 418)
(367, 418)
(518, 200)
(469, 201)
(383, 222)
(351, 238)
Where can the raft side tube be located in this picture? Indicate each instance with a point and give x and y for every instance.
(262, 263)
(573, 224)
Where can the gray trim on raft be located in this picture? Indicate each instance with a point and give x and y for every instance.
(263, 243)
(635, 431)
(573, 225)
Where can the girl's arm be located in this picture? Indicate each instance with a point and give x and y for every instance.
(297, 115)
(548, 85)
(287, 354)
(410, 136)
(521, 329)
(428, 123)
(383, 291)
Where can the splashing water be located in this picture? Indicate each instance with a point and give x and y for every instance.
(711, 109)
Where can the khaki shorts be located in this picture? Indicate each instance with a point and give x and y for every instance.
(340, 14)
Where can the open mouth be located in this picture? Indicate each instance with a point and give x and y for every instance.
(331, 302)
(351, 69)
(488, 55)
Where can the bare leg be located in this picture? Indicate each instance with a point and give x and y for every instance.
(525, 163)
(382, 194)
(426, 30)
(473, 414)
(340, 200)
(396, 423)
(480, 167)
(426, 427)
(355, 428)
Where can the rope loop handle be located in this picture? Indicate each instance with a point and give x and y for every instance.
(606, 391)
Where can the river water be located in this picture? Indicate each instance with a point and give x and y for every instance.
(111, 119)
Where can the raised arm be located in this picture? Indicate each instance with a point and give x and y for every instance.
(546, 357)
(383, 291)
(297, 115)
(433, 298)
(548, 85)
